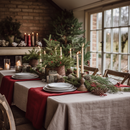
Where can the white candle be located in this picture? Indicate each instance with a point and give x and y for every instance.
(70, 53)
(77, 64)
(7, 66)
(33, 39)
(61, 52)
(82, 60)
(40, 60)
(36, 36)
(55, 51)
(44, 52)
(18, 63)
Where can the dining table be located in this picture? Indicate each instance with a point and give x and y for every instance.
(79, 111)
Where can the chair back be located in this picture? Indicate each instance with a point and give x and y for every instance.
(93, 69)
(6, 116)
(125, 76)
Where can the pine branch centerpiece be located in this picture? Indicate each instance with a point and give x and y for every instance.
(53, 58)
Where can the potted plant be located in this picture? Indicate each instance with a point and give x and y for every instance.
(52, 58)
(32, 57)
(9, 29)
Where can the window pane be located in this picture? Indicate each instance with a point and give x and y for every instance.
(115, 62)
(124, 63)
(93, 40)
(107, 18)
(124, 40)
(99, 62)
(108, 61)
(93, 57)
(99, 21)
(108, 40)
(99, 40)
(124, 16)
(116, 17)
(93, 21)
(115, 40)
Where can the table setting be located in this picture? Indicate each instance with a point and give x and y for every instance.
(75, 100)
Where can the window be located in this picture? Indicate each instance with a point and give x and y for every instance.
(110, 39)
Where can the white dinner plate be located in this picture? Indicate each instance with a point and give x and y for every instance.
(59, 85)
(69, 90)
(24, 76)
(59, 88)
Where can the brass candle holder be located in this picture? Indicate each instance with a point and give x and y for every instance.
(82, 86)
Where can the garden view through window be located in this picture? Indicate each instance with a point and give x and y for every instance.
(112, 30)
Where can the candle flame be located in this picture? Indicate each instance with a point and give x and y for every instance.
(36, 33)
(78, 52)
(25, 33)
(32, 32)
(28, 34)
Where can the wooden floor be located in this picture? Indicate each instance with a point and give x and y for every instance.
(21, 122)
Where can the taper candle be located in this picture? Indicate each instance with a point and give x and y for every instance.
(36, 36)
(61, 52)
(29, 40)
(82, 60)
(33, 39)
(70, 53)
(77, 65)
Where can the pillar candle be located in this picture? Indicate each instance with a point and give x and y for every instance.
(61, 52)
(18, 63)
(77, 65)
(33, 39)
(25, 37)
(7, 66)
(82, 60)
(36, 36)
(29, 40)
(70, 53)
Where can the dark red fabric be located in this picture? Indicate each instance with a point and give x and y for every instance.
(121, 85)
(36, 105)
(7, 87)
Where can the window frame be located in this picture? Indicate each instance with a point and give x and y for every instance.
(103, 52)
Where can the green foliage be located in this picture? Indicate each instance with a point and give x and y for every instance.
(33, 54)
(126, 90)
(8, 27)
(67, 30)
(52, 57)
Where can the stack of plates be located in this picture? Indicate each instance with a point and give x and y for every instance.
(59, 87)
(25, 76)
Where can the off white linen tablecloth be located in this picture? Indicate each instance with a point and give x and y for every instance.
(4, 73)
(88, 112)
(79, 111)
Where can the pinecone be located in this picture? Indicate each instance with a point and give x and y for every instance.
(69, 71)
(97, 91)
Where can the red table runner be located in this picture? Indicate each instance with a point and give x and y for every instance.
(36, 106)
(121, 85)
(7, 87)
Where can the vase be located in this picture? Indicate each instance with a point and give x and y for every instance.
(60, 70)
(33, 62)
(11, 39)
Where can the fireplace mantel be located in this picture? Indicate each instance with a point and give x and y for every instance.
(14, 50)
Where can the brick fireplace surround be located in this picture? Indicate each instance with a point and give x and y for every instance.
(34, 16)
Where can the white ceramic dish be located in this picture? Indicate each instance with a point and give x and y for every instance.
(59, 85)
(69, 90)
(24, 76)
(59, 88)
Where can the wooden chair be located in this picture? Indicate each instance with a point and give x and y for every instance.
(6, 116)
(125, 76)
(93, 69)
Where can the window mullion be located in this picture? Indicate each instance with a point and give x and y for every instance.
(129, 15)
(111, 61)
(119, 67)
(129, 47)
(103, 44)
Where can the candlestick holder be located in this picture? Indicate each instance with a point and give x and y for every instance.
(82, 86)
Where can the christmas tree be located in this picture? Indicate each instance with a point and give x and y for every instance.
(67, 30)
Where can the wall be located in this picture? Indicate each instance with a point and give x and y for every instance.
(34, 15)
